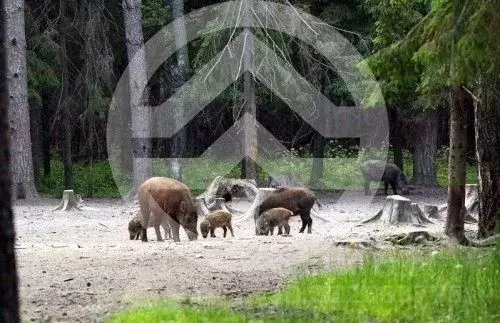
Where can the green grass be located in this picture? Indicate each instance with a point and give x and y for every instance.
(460, 286)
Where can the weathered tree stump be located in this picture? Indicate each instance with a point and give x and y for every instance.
(430, 211)
(470, 207)
(398, 209)
(285, 179)
(228, 188)
(69, 202)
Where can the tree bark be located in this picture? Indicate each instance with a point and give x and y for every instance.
(65, 101)
(396, 137)
(487, 125)
(181, 76)
(141, 121)
(249, 169)
(317, 172)
(9, 299)
(461, 102)
(23, 177)
(424, 168)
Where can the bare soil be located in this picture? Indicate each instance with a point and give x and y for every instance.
(81, 265)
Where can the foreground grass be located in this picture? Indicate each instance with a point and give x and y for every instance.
(454, 287)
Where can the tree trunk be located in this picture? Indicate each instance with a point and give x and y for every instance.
(461, 102)
(23, 177)
(141, 121)
(36, 138)
(487, 122)
(317, 172)
(249, 169)
(46, 140)
(9, 300)
(396, 137)
(424, 168)
(181, 76)
(65, 110)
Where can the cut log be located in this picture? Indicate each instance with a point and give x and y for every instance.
(68, 203)
(398, 209)
(470, 207)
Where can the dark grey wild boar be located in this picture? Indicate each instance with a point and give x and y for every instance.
(390, 174)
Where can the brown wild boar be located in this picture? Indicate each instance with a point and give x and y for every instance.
(167, 198)
(217, 219)
(275, 217)
(299, 200)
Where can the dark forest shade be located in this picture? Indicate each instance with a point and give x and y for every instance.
(9, 302)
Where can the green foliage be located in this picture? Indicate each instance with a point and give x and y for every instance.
(459, 286)
(90, 181)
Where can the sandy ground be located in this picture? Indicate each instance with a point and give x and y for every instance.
(80, 266)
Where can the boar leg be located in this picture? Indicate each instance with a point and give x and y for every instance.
(386, 187)
(156, 225)
(212, 232)
(231, 229)
(280, 229)
(271, 230)
(287, 229)
(367, 187)
(393, 186)
(225, 230)
(174, 226)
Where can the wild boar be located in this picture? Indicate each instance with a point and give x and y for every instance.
(217, 219)
(390, 174)
(275, 217)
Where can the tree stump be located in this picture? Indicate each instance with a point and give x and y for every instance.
(285, 179)
(470, 207)
(431, 211)
(228, 188)
(398, 209)
(69, 202)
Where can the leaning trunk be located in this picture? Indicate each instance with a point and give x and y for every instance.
(18, 115)
(487, 122)
(457, 162)
(317, 172)
(9, 300)
(424, 168)
(141, 121)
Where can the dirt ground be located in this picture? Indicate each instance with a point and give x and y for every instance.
(80, 266)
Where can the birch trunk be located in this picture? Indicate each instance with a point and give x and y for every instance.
(23, 177)
(141, 121)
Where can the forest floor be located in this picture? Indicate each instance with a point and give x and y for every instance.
(80, 266)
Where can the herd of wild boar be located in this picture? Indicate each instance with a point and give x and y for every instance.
(168, 203)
